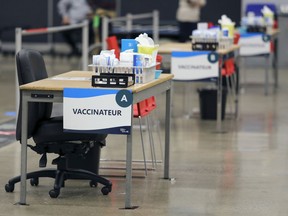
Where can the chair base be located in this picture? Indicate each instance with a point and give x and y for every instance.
(60, 176)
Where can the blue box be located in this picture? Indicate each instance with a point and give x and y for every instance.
(127, 44)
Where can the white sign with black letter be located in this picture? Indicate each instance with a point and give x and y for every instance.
(254, 44)
(97, 110)
(194, 65)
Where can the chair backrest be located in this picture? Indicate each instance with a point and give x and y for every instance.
(151, 103)
(31, 67)
(140, 109)
(112, 43)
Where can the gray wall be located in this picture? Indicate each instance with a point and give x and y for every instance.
(167, 8)
(277, 2)
(283, 37)
(31, 14)
(34, 14)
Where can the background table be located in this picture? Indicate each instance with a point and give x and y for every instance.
(168, 48)
(273, 35)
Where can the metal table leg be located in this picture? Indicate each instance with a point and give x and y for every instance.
(237, 87)
(167, 134)
(24, 129)
(267, 74)
(275, 63)
(128, 172)
(219, 96)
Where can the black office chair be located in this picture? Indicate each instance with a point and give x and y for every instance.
(47, 133)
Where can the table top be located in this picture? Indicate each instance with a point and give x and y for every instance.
(82, 79)
(167, 48)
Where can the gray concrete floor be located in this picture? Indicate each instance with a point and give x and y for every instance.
(243, 171)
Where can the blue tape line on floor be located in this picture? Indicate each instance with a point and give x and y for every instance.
(11, 113)
(7, 133)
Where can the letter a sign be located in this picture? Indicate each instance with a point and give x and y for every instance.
(124, 98)
(106, 111)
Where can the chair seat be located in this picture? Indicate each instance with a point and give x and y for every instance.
(51, 130)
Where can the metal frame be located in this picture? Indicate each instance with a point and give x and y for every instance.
(129, 24)
(19, 33)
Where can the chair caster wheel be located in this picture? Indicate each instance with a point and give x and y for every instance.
(105, 190)
(54, 193)
(93, 183)
(9, 188)
(34, 181)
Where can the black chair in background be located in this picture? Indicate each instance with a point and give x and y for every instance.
(47, 133)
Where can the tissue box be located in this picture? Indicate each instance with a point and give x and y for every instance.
(126, 59)
(127, 44)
